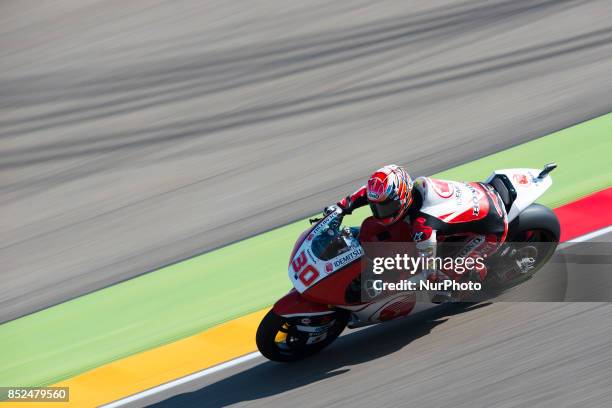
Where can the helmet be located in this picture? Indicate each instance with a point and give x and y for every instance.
(389, 192)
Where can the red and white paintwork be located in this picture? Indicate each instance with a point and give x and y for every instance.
(528, 188)
(452, 201)
(319, 284)
(305, 269)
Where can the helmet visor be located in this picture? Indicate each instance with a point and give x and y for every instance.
(386, 209)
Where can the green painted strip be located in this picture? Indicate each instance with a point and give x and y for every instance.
(185, 298)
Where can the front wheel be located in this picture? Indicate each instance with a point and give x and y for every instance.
(289, 339)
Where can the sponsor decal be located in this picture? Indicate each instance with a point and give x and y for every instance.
(373, 195)
(475, 200)
(534, 179)
(521, 179)
(329, 267)
(323, 224)
(418, 236)
(347, 258)
(442, 188)
(471, 245)
(376, 188)
(458, 196)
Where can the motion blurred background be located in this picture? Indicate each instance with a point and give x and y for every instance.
(134, 134)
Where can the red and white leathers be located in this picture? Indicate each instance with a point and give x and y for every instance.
(470, 213)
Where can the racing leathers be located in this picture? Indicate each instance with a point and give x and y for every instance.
(470, 213)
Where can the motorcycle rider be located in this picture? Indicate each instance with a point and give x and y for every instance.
(432, 211)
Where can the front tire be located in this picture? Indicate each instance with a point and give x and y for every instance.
(279, 338)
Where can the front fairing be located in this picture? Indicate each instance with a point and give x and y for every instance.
(325, 250)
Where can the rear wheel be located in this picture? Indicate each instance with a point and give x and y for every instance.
(532, 240)
(289, 339)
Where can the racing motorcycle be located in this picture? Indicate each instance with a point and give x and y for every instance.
(325, 265)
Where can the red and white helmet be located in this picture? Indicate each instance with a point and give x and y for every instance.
(389, 192)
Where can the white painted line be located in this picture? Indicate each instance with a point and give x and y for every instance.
(183, 380)
(254, 355)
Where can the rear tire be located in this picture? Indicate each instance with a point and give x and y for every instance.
(536, 216)
(536, 225)
(294, 347)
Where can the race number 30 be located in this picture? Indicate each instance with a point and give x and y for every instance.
(306, 273)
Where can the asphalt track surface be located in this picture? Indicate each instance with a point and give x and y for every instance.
(518, 354)
(135, 134)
